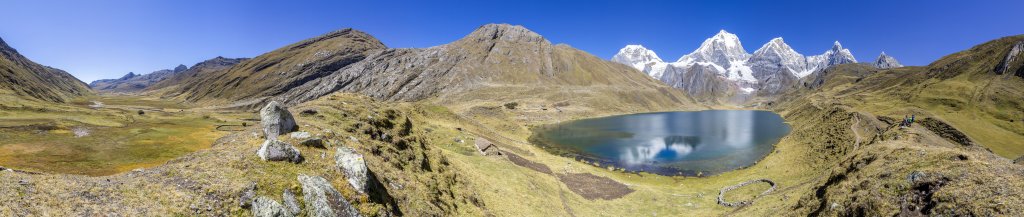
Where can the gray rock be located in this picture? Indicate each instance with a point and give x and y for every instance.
(276, 120)
(322, 199)
(300, 135)
(916, 176)
(1019, 160)
(886, 62)
(273, 150)
(246, 196)
(266, 207)
(290, 202)
(353, 166)
(315, 142)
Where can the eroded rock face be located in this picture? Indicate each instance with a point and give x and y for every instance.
(276, 120)
(322, 199)
(354, 167)
(1006, 66)
(266, 207)
(273, 150)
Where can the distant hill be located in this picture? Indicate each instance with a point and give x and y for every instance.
(23, 78)
(496, 63)
(134, 82)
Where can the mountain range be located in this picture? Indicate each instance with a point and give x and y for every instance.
(721, 68)
(491, 63)
(132, 82)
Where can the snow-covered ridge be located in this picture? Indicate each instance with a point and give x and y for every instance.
(725, 51)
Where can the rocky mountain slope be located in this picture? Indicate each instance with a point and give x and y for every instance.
(769, 71)
(275, 72)
(134, 82)
(22, 78)
(499, 63)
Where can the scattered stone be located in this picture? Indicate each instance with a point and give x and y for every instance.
(315, 142)
(353, 166)
(353, 139)
(142, 112)
(300, 135)
(915, 176)
(266, 207)
(246, 196)
(276, 120)
(322, 199)
(290, 202)
(273, 150)
(308, 112)
(1019, 160)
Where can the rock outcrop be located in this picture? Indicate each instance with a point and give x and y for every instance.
(274, 150)
(322, 199)
(265, 207)
(354, 167)
(276, 120)
(1006, 66)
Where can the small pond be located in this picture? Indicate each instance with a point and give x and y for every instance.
(668, 143)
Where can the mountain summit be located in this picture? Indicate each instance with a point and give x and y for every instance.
(886, 62)
(769, 70)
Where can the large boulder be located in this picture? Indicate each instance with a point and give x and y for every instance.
(322, 200)
(353, 166)
(273, 150)
(276, 120)
(266, 207)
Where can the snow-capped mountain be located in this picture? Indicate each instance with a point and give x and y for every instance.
(886, 62)
(835, 56)
(640, 58)
(769, 70)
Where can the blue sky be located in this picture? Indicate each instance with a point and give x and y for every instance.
(106, 39)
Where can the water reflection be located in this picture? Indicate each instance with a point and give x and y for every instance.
(710, 141)
(670, 148)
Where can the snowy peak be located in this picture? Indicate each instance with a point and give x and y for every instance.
(721, 49)
(640, 58)
(777, 53)
(886, 62)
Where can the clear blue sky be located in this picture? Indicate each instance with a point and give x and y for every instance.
(106, 39)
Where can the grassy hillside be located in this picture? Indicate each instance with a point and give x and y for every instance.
(20, 78)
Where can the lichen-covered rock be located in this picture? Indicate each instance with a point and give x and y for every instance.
(266, 207)
(276, 120)
(246, 196)
(322, 199)
(273, 150)
(290, 202)
(353, 166)
(300, 135)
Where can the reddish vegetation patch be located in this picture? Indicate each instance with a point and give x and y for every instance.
(523, 162)
(594, 187)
